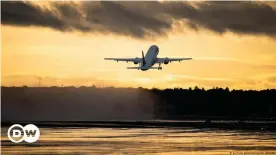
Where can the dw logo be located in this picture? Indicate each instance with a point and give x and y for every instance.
(17, 133)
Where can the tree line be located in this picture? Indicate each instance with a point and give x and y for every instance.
(92, 103)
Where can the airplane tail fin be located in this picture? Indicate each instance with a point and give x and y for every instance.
(143, 58)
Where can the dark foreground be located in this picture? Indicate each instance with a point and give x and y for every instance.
(91, 103)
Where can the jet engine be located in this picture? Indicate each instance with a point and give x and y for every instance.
(166, 61)
(137, 61)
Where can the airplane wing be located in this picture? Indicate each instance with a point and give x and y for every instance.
(135, 60)
(167, 60)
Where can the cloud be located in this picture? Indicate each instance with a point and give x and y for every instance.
(142, 19)
(26, 14)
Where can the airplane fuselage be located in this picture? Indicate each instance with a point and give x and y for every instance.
(150, 57)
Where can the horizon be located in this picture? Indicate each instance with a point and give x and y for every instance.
(64, 43)
(114, 87)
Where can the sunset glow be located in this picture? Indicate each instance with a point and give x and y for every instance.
(238, 61)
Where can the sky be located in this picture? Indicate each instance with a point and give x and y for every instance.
(233, 44)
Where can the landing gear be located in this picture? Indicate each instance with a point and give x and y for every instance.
(159, 67)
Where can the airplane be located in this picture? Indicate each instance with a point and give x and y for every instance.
(147, 62)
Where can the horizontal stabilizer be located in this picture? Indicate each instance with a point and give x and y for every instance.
(140, 68)
(133, 67)
(156, 68)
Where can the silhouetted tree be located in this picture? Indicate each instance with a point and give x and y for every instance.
(174, 103)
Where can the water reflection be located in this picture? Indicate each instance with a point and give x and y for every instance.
(142, 141)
